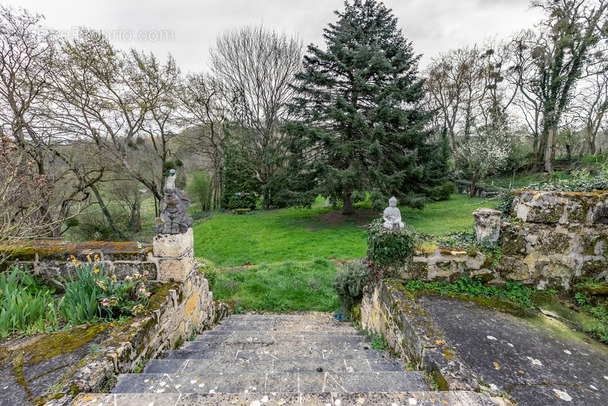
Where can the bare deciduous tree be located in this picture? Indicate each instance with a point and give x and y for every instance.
(203, 116)
(22, 192)
(255, 68)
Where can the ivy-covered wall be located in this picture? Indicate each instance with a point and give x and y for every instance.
(552, 240)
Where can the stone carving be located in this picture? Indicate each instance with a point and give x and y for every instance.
(173, 216)
(487, 227)
(392, 216)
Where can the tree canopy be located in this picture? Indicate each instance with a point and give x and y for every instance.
(360, 125)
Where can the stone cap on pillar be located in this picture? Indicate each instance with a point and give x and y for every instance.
(173, 245)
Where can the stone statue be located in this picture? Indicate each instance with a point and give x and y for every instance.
(392, 216)
(173, 215)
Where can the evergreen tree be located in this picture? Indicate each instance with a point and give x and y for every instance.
(360, 123)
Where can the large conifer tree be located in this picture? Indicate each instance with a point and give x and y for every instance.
(360, 125)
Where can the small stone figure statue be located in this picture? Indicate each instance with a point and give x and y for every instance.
(173, 216)
(392, 216)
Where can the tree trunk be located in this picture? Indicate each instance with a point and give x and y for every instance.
(473, 185)
(347, 200)
(549, 150)
(107, 214)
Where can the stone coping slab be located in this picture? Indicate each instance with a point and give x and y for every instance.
(41, 250)
(535, 359)
(288, 399)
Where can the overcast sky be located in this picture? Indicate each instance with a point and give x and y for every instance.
(188, 28)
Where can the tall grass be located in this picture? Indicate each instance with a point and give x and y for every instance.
(80, 305)
(26, 305)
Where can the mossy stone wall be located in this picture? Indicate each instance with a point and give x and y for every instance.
(52, 259)
(388, 308)
(176, 312)
(553, 240)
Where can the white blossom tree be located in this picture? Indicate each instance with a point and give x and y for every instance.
(483, 153)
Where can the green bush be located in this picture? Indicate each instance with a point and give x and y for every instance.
(389, 247)
(349, 283)
(208, 269)
(579, 181)
(243, 200)
(443, 192)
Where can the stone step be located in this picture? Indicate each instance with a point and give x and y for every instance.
(229, 366)
(460, 398)
(351, 332)
(305, 382)
(277, 352)
(295, 343)
(283, 323)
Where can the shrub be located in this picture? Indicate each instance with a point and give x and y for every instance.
(242, 200)
(389, 247)
(579, 181)
(442, 192)
(208, 269)
(349, 283)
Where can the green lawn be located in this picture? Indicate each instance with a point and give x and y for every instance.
(276, 236)
(305, 234)
(447, 216)
(284, 287)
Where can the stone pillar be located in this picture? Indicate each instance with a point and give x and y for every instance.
(487, 227)
(175, 255)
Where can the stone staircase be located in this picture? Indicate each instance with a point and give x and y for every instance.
(278, 360)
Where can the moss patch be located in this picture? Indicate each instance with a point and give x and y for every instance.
(63, 342)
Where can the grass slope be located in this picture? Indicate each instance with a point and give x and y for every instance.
(289, 286)
(446, 216)
(305, 234)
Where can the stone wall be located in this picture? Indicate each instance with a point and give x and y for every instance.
(182, 307)
(178, 311)
(52, 259)
(388, 309)
(553, 240)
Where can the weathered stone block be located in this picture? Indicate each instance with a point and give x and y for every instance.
(123, 269)
(594, 243)
(415, 269)
(554, 243)
(511, 268)
(191, 304)
(513, 240)
(173, 245)
(562, 207)
(554, 274)
(593, 268)
(487, 225)
(176, 269)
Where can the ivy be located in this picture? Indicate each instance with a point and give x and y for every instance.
(579, 181)
(388, 247)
